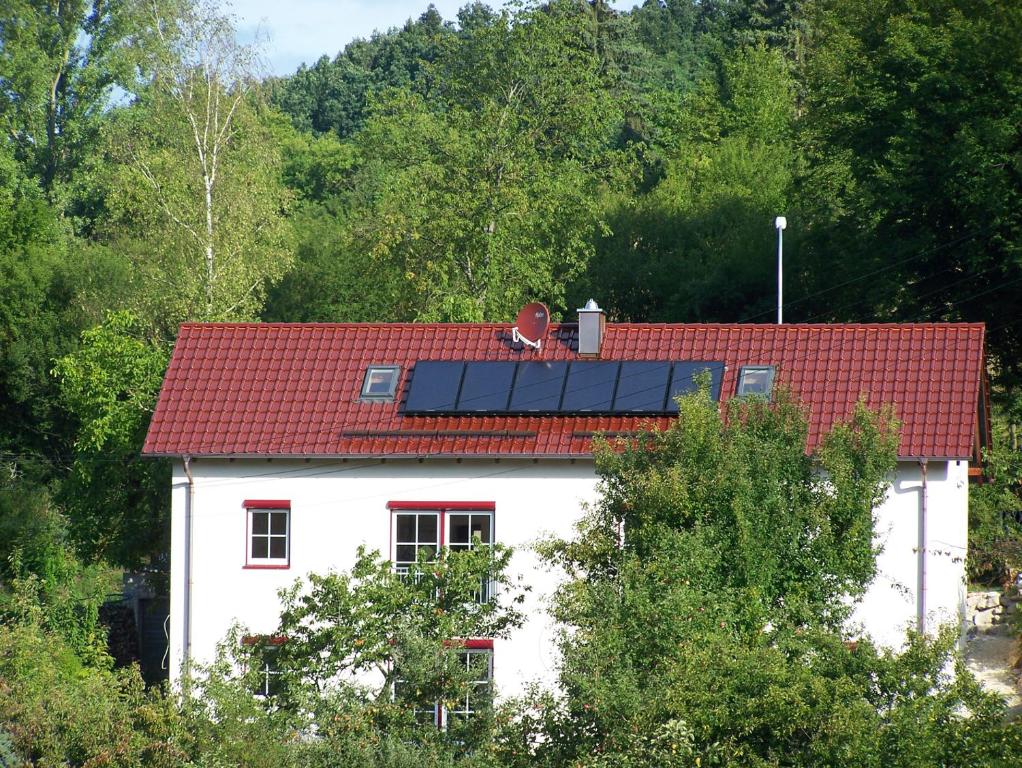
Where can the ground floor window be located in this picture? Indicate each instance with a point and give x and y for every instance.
(478, 664)
(265, 650)
(475, 659)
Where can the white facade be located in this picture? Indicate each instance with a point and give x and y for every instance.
(911, 545)
(337, 505)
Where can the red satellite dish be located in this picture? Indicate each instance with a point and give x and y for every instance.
(531, 324)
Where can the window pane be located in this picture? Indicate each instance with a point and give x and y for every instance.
(406, 528)
(481, 527)
(427, 528)
(478, 665)
(260, 547)
(459, 529)
(278, 523)
(278, 547)
(405, 553)
(755, 380)
(429, 551)
(260, 522)
(379, 382)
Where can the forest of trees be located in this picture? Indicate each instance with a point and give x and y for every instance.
(452, 170)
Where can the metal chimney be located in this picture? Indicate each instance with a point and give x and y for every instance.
(591, 322)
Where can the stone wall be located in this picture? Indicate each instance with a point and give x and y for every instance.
(991, 611)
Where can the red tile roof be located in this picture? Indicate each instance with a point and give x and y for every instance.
(293, 389)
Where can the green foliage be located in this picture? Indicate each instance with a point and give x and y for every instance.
(34, 317)
(117, 502)
(911, 122)
(59, 64)
(40, 575)
(693, 248)
(334, 96)
(705, 603)
(488, 194)
(342, 625)
(194, 194)
(58, 712)
(995, 510)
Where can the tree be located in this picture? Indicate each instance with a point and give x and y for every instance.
(36, 323)
(197, 198)
(369, 630)
(698, 247)
(488, 194)
(705, 601)
(335, 95)
(912, 129)
(117, 503)
(59, 63)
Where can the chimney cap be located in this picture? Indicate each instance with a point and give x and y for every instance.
(591, 306)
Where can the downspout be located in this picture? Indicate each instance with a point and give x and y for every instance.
(186, 618)
(921, 586)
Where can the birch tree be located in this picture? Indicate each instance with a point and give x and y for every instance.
(198, 186)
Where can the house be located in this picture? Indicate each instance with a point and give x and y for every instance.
(292, 444)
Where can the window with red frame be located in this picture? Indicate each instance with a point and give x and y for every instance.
(476, 658)
(422, 528)
(268, 541)
(266, 649)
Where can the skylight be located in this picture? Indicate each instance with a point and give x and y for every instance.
(756, 380)
(380, 382)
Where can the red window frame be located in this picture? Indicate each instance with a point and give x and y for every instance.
(477, 644)
(441, 509)
(265, 504)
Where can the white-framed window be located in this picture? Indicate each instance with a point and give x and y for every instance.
(425, 713)
(427, 526)
(468, 530)
(476, 658)
(380, 382)
(264, 660)
(268, 537)
(415, 532)
(756, 380)
(478, 663)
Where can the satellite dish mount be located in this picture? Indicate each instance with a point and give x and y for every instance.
(531, 325)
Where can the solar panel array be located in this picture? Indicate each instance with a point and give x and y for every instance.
(557, 387)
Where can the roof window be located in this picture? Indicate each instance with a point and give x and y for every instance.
(756, 380)
(380, 382)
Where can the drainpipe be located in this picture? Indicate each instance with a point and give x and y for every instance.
(186, 618)
(921, 587)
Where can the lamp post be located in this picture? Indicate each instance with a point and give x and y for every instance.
(780, 223)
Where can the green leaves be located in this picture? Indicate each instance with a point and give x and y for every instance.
(706, 593)
(118, 502)
(403, 626)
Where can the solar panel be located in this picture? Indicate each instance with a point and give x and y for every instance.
(434, 386)
(685, 378)
(590, 387)
(642, 387)
(579, 387)
(486, 387)
(538, 387)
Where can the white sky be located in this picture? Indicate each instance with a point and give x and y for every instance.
(297, 31)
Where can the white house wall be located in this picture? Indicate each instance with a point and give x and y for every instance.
(337, 506)
(892, 603)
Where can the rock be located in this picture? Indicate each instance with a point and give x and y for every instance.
(983, 619)
(983, 601)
